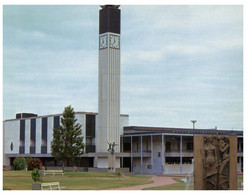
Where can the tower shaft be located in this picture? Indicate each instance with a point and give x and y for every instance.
(109, 79)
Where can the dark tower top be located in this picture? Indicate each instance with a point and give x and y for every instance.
(110, 19)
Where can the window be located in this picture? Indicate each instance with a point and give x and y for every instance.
(90, 125)
(11, 146)
(44, 128)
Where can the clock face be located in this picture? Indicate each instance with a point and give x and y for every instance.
(114, 41)
(103, 41)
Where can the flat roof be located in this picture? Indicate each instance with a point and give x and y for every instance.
(129, 130)
(51, 115)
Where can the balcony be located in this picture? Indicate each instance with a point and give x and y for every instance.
(21, 150)
(176, 153)
(90, 148)
(145, 153)
(32, 150)
(43, 149)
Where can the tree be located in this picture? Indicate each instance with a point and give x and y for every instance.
(67, 143)
(19, 163)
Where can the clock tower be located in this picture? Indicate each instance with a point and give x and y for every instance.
(108, 130)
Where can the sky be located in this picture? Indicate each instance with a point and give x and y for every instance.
(178, 63)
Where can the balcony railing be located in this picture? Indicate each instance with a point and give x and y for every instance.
(143, 151)
(32, 150)
(168, 151)
(21, 150)
(90, 148)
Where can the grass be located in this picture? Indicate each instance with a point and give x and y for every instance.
(182, 186)
(21, 180)
(177, 186)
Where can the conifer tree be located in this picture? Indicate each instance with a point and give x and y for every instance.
(67, 143)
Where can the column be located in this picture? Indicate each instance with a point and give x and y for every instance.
(131, 154)
(162, 156)
(141, 155)
(181, 155)
(122, 151)
(151, 152)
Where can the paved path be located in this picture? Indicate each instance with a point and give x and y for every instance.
(158, 181)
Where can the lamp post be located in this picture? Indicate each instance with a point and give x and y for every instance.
(194, 121)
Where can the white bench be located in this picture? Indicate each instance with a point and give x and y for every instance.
(50, 186)
(53, 172)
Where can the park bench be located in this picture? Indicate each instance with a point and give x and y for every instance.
(53, 172)
(50, 186)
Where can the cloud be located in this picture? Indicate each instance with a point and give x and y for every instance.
(178, 63)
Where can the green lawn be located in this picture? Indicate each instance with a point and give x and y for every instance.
(21, 180)
(177, 186)
(182, 186)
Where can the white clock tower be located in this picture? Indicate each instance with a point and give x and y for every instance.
(108, 130)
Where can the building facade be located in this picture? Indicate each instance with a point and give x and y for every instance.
(143, 150)
(156, 150)
(31, 137)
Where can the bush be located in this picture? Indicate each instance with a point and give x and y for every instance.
(34, 163)
(6, 188)
(19, 163)
(35, 175)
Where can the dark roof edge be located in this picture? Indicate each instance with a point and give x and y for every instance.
(51, 115)
(145, 128)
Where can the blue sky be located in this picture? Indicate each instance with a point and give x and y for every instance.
(178, 63)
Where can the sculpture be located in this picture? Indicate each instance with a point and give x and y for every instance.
(224, 163)
(211, 163)
(216, 162)
(111, 147)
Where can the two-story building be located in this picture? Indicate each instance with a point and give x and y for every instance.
(144, 150)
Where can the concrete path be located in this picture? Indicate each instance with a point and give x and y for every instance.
(158, 181)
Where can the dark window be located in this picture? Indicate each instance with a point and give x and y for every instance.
(43, 149)
(56, 122)
(11, 146)
(168, 147)
(21, 150)
(90, 148)
(187, 160)
(22, 130)
(172, 160)
(44, 129)
(189, 145)
(126, 144)
(32, 149)
(90, 125)
(33, 129)
(87, 162)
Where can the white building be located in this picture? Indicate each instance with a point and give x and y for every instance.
(143, 150)
(32, 136)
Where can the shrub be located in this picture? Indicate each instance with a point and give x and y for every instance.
(119, 174)
(6, 188)
(34, 163)
(19, 163)
(28, 158)
(35, 175)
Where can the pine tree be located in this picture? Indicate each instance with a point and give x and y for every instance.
(67, 143)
